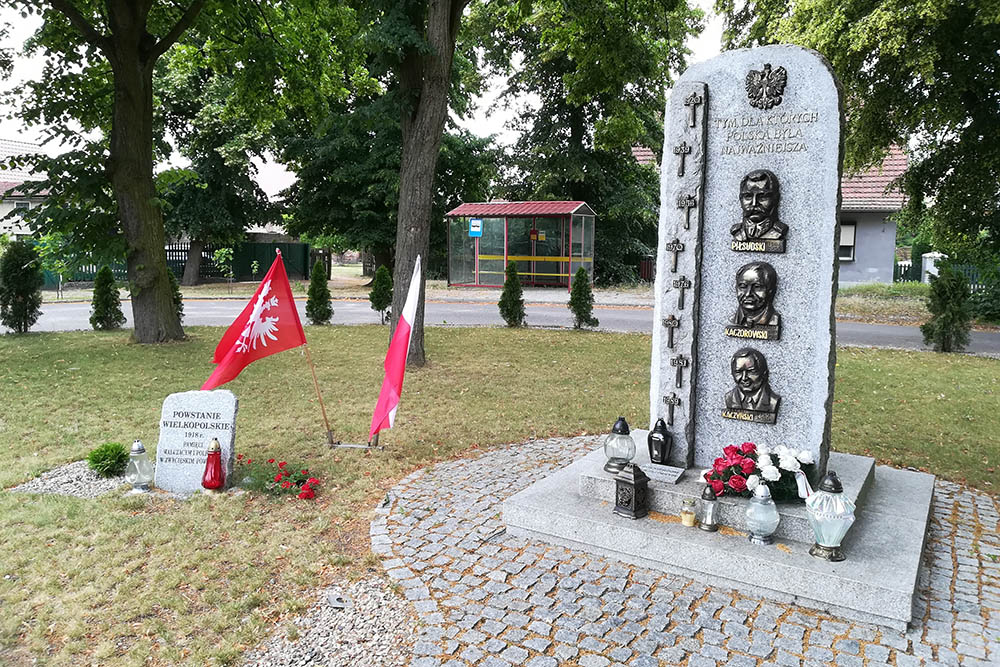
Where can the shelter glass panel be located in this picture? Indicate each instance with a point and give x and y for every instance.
(461, 253)
(491, 252)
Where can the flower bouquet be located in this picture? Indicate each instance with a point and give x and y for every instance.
(742, 468)
(276, 478)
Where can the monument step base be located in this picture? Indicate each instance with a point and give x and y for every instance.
(665, 496)
(875, 584)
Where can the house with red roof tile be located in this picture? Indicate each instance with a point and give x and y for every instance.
(12, 196)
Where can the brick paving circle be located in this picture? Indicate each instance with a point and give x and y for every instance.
(490, 599)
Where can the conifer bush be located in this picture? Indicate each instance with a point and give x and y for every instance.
(512, 299)
(106, 307)
(318, 308)
(176, 296)
(21, 283)
(951, 312)
(381, 292)
(581, 300)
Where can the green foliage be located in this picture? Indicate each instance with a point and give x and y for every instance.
(108, 460)
(318, 308)
(512, 299)
(106, 308)
(986, 302)
(921, 75)
(21, 283)
(176, 296)
(223, 258)
(948, 328)
(254, 268)
(274, 478)
(381, 292)
(581, 300)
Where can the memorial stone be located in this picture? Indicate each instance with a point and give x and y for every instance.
(188, 422)
(747, 259)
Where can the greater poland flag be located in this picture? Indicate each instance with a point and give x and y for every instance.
(268, 324)
(395, 360)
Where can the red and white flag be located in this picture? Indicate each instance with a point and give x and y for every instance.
(269, 324)
(395, 360)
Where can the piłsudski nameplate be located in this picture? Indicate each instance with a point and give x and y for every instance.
(188, 422)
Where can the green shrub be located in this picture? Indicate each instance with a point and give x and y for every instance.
(948, 328)
(512, 299)
(176, 296)
(108, 460)
(581, 300)
(318, 308)
(986, 302)
(381, 293)
(106, 307)
(21, 283)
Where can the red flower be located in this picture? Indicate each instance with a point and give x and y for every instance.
(312, 480)
(286, 485)
(282, 464)
(720, 465)
(277, 478)
(734, 460)
(738, 484)
(249, 460)
(239, 457)
(748, 466)
(307, 494)
(708, 475)
(270, 460)
(305, 472)
(717, 486)
(729, 451)
(748, 448)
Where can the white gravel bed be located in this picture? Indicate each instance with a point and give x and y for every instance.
(374, 631)
(72, 479)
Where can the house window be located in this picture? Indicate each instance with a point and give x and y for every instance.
(846, 252)
(21, 207)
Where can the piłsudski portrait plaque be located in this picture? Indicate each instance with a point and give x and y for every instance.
(760, 230)
(755, 316)
(752, 399)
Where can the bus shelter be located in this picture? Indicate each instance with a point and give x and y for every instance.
(548, 240)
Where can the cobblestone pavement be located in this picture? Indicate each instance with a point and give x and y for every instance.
(493, 600)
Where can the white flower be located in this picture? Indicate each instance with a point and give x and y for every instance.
(788, 463)
(764, 461)
(763, 450)
(805, 456)
(770, 473)
(752, 482)
(781, 450)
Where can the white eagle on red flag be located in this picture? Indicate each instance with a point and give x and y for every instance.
(259, 330)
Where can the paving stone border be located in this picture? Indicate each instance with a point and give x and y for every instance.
(492, 600)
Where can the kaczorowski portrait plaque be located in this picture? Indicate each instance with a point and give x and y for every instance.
(752, 399)
(760, 230)
(755, 316)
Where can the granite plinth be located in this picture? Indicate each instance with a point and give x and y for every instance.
(875, 584)
(856, 474)
(188, 423)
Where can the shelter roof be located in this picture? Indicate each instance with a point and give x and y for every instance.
(870, 191)
(512, 209)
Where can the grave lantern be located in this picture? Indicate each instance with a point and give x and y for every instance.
(831, 514)
(214, 476)
(762, 516)
(659, 441)
(631, 492)
(139, 472)
(619, 447)
(709, 510)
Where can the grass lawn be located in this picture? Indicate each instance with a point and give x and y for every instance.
(136, 580)
(898, 303)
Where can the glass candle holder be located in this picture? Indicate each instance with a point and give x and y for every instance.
(619, 447)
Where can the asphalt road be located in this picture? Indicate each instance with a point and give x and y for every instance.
(221, 312)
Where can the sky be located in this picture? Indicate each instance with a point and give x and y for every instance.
(488, 119)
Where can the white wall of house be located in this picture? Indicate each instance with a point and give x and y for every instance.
(867, 247)
(14, 227)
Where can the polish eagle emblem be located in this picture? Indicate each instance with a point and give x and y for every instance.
(258, 329)
(765, 87)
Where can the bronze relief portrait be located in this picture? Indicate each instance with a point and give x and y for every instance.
(755, 316)
(760, 229)
(751, 399)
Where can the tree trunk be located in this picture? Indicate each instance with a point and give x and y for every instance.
(130, 168)
(192, 267)
(425, 79)
(382, 255)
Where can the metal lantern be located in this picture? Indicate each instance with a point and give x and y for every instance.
(709, 510)
(631, 492)
(619, 447)
(831, 514)
(660, 442)
(762, 516)
(214, 477)
(139, 471)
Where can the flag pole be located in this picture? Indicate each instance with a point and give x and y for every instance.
(322, 406)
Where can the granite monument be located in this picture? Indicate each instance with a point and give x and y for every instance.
(188, 422)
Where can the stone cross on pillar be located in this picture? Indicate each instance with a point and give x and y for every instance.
(691, 102)
(671, 323)
(687, 202)
(682, 284)
(671, 401)
(680, 361)
(675, 247)
(682, 149)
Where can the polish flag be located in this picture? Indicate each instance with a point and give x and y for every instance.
(395, 360)
(269, 324)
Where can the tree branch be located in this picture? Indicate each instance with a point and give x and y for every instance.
(77, 20)
(183, 23)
